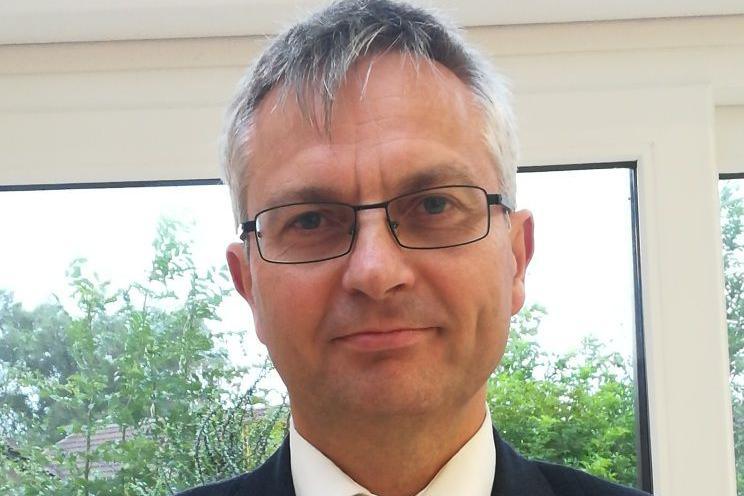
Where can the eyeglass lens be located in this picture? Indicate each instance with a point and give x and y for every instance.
(435, 218)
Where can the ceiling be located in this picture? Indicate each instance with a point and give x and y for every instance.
(47, 21)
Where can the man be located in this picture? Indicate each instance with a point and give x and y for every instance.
(371, 157)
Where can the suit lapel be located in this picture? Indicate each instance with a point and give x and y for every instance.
(516, 476)
(273, 478)
(283, 470)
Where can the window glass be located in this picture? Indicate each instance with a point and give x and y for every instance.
(732, 221)
(125, 355)
(566, 391)
(138, 367)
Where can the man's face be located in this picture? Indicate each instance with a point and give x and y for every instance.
(384, 329)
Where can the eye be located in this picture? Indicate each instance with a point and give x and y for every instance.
(434, 204)
(308, 220)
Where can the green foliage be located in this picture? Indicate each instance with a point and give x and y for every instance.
(240, 438)
(575, 409)
(141, 358)
(31, 341)
(732, 220)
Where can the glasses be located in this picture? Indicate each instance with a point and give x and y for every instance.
(428, 219)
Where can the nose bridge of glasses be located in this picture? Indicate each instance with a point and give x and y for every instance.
(375, 206)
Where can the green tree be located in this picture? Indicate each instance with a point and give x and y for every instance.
(732, 220)
(35, 341)
(575, 408)
(141, 358)
(240, 438)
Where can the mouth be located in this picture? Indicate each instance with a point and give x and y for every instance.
(384, 339)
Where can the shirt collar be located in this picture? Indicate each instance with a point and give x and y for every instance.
(470, 472)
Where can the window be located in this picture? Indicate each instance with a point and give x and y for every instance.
(579, 339)
(92, 390)
(732, 225)
(114, 365)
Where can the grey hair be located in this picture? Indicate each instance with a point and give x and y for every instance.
(311, 60)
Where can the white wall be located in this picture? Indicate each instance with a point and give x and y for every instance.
(729, 134)
(667, 93)
(51, 21)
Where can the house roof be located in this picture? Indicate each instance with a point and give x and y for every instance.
(76, 443)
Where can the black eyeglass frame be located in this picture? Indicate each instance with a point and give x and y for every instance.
(491, 199)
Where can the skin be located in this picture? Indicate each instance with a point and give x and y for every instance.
(373, 410)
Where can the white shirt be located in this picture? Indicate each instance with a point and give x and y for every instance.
(469, 472)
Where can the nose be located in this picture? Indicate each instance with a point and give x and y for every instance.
(377, 265)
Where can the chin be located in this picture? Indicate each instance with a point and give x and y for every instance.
(400, 395)
(393, 406)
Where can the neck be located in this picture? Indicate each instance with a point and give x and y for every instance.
(395, 455)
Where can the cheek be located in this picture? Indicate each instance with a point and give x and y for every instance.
(478, 294)
(288, 308)
(486, 274)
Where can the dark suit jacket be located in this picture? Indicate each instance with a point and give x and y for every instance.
(515, 476)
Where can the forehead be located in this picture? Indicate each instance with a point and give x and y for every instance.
(393, 123)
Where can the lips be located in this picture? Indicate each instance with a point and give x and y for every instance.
(369, 340)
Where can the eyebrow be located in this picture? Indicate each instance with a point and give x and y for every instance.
(443, 174)
(303, 194)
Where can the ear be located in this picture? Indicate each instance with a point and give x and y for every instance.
(523, 246)
(240, 270)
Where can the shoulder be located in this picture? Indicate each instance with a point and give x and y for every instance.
(258, 482)
(567, 481)
(229, 487)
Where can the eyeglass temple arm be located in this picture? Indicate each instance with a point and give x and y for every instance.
(247, 228)
(497, 199)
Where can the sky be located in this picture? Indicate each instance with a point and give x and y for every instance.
(581, 271)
